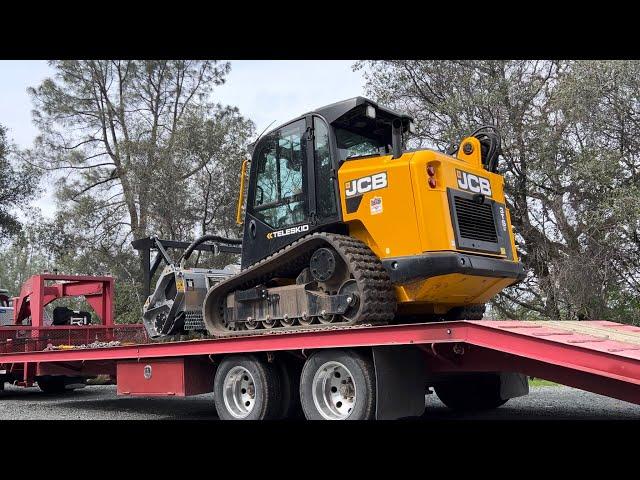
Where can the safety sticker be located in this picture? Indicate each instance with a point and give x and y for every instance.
(375, 205)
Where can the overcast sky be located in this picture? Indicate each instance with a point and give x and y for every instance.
(263, 90)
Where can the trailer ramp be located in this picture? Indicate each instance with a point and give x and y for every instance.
(598, 356)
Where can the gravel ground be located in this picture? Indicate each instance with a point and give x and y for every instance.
(101, 403)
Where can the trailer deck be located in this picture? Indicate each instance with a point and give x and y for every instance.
(597, 356)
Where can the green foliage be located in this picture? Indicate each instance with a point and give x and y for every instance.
(538, 382)
(17, 186)
(20, 259)
(571, 160)
(134, 148)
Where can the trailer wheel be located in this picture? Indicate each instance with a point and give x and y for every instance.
(471, 392)
(338, 385)
(51, 384)
(247, 388)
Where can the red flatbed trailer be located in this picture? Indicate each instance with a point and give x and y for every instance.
(597, 356)
(600, 357)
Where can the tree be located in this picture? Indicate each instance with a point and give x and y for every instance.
(18, 185)
(20, 259)
(570, 159)
(122, 133)
(136, 148)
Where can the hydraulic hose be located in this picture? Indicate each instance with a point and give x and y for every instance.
(489, 138)
(207, 238)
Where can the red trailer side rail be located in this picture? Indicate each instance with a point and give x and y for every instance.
(601, 357)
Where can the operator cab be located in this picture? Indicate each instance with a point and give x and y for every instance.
(293, 188)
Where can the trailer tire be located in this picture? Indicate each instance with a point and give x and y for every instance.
(338, 385)
(247, 388)
(51, 384)
(289, 369)
(473, 392)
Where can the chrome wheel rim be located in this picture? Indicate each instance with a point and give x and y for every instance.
(239, 392)
(334, 391)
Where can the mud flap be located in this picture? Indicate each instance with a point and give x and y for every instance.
(401, 382)
(513, 385)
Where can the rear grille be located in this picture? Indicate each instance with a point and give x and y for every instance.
(475, 221)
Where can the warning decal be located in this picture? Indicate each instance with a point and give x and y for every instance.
(375, 205)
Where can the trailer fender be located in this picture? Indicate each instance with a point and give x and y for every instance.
(401, 382)
(513, 385)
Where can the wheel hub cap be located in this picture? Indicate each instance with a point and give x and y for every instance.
(334, 391)
(239, 392)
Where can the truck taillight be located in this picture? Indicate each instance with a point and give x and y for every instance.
(432, 182)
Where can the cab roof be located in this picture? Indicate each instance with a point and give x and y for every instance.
(336, 111)
(350, 114)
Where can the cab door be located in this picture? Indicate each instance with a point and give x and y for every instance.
(278, 196)
(323, 162)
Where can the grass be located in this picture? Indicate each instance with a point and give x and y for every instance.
(100, 380)
(538, 382)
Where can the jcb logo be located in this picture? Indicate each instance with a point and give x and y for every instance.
(365, 184)
(473, 183)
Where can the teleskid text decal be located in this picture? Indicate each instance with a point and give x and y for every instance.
(288, 231)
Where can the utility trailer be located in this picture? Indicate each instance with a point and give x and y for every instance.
(378, 372)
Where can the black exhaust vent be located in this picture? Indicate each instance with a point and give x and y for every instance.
(475, 220)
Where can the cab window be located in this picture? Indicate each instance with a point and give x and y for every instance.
(279, 194)
(325, 193)
(351, 144)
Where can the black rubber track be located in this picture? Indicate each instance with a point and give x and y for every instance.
(377, 304)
